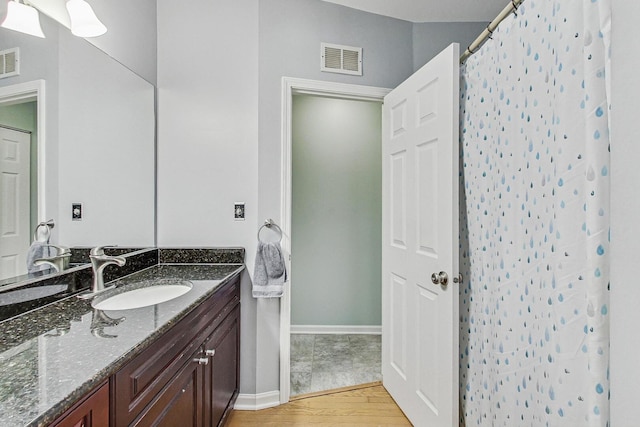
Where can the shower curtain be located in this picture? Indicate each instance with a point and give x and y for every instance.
(535, 224)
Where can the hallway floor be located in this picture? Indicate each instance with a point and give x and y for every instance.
(365, 407)
(325, 362)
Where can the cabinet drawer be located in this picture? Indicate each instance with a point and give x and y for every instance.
(139, 382)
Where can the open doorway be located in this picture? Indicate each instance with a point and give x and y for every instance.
(330, 316)
(336, 223)
(22, 162)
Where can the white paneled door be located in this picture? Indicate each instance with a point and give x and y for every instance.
(420, 242)
(15, 152)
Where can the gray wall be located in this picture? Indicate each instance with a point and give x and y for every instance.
(106, 123)
(208, 151)
(625, 205)
(130, 39)
(131, 36)
(430, 38)
(336, 212)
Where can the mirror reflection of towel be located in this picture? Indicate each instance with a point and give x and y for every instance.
(270, 272)
(36, 251)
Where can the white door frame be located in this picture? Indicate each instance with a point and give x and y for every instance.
(25, 92)
(293, 86)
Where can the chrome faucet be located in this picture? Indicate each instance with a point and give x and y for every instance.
(99, 260)
(59, 261)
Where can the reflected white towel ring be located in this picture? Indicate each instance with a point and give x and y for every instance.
(48, 225)
(269, 223)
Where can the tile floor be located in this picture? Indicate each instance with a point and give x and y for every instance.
(325, 362)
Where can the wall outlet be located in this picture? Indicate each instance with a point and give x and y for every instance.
(238, 211)
(76, 211)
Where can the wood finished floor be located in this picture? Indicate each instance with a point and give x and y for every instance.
(366, 406)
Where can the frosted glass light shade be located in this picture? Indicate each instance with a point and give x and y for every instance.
(22, 18)
(84, 22)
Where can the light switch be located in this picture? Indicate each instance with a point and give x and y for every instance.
(238, 211)
(76, 211)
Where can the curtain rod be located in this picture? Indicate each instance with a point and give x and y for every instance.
(486, 34)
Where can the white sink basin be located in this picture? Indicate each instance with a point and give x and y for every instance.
(143, 297)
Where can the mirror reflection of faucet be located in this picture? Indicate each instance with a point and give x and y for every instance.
(58, 332)
(100, 320)
(59, 260)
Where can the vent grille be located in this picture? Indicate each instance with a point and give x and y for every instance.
(9, 62)
(332, 58)
(341, 59)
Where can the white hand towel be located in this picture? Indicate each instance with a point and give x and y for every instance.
(270, 272)
(36, 251)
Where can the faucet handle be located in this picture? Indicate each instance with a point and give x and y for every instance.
(62, 250)
(99, 250)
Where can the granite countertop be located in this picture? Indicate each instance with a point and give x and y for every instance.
(52, 356)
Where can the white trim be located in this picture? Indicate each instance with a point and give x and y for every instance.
(285, 340)
(336, 329)
(291, 86)
(22, 92)
(255, 402)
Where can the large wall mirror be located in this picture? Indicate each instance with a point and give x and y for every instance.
(89, 127)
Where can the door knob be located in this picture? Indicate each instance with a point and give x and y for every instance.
(210, 352)
(440, 278)
(201, 360)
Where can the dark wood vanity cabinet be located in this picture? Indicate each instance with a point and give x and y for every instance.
(190, 375)
(92, 411)
(178, 403)
(221, 374)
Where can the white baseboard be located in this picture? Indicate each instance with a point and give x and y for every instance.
(255, 402)
(336, 329)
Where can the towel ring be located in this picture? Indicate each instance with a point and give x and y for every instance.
(269, 223)
(48, 226)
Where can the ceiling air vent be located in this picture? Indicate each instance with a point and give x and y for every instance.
(341, 59)
(9, 62)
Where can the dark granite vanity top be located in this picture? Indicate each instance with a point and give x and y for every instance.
(52, 356)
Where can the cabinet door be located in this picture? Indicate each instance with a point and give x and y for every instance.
(222, 374)
(93, 411)
(180, 402)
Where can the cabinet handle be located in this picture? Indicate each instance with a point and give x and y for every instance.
(210, 353)
(201, 360)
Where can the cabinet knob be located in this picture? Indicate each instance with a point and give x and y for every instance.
(210, 353)
(201, 360)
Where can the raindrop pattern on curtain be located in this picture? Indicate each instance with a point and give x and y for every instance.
(535, 225)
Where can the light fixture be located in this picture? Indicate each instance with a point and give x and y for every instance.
(22, 18)
(84, 22)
